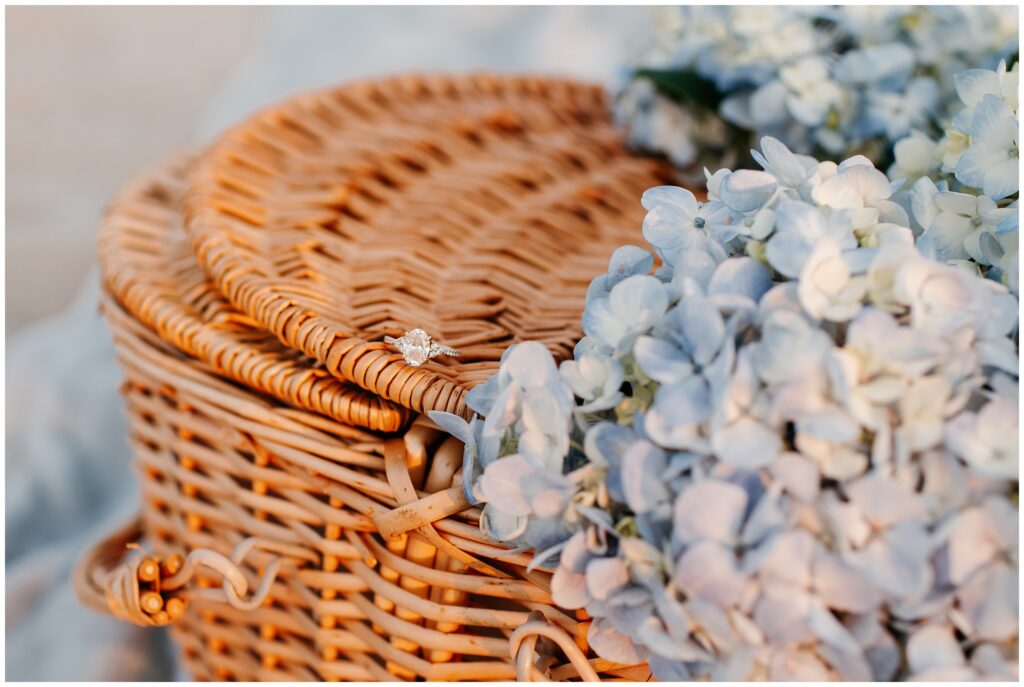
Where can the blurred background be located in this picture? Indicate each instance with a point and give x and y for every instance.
(94, 94)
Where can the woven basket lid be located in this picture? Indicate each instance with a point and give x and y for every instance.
(147, 266)
(477, 208)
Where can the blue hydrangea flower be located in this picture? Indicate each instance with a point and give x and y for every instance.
(789, 453)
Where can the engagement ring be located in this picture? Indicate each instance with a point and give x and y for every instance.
(417, 347)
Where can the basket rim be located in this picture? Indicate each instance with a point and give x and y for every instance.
(147, 266)
(235, 182)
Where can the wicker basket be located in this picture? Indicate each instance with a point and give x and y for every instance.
(477, 208)
(300, 526)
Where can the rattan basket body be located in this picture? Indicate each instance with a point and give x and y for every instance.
(314, 524)
(221, 466)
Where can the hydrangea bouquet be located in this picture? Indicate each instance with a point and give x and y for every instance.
(829, 81)
(787, 446)
(962, 190)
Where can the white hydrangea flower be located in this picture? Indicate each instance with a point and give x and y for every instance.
(897, 114)
(988, 440)
(595, 379)
(827, 289)
(514, 458)
(974, 84)
(992, 160)
(960, 204)
(655, 123)
(676, 222)
(815, 100)
(1000, 250)
(951, 147)
(743, 191)
(958, 222)
(915, 156)
(886, 63)
(859, 187)
(633, 306)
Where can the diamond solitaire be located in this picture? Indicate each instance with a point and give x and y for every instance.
(417, 347)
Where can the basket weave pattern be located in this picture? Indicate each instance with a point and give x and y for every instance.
(476, 208)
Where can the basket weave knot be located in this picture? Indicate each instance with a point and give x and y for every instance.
(148, 591)
(136, 590)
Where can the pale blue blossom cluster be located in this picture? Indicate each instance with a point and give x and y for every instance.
(786, 448)
(516, 459)
(962, 190)
(830, 81)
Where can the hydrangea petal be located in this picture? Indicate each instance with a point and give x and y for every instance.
(790, 169)
(708, 570)
(642, 467)
(628, 608)
(747, 190)
(740, 276)
(611, 644)
(605, 576)
(669, 195)
(502, 483)
(601, 322)
(569, 588)
(782, 617)
(797, 474)
(530, 364)
(991, 602)
(639, 301)
(931, 647)
(661, 361)
(668, 670)
(627, 261)
(653, 634)
(790, 665)
(702, 329)
(500, 525)
(709, 509)
(684, 404)
(453, 424)
(973, 84)
(839, 586)
(788, 563)
(746, 444)
(830, 630)
(798, 227)
(895, 562)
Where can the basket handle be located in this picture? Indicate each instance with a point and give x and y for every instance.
(116, 576)
(523, 641)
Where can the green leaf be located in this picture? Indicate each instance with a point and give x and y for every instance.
(684, 86)
(509, 443)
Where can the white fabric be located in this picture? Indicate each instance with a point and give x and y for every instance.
(68, 474)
